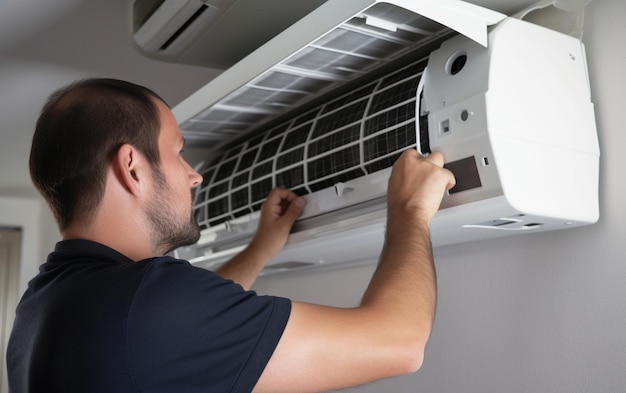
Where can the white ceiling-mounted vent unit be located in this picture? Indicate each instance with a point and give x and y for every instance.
(211, 33)
(509, 107)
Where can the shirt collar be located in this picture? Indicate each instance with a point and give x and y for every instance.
(81, 249)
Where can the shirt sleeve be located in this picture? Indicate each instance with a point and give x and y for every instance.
(189, 330)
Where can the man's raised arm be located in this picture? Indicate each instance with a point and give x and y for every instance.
(324, 348)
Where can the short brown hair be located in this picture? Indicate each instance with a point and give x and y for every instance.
(79, 131)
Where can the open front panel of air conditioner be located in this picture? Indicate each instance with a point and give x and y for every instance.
(339, 42)
(513, 119)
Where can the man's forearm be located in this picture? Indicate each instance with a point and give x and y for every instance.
(404, 286)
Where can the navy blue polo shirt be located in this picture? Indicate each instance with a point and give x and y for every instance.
(93, 320)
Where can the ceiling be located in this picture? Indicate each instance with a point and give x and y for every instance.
(46, 44)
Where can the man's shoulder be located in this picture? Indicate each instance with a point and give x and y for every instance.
(168, 274)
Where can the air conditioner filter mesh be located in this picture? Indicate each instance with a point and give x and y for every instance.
(346, 137)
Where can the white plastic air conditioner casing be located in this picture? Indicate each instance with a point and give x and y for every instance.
(210, 33)
(522, 108)
(516, 125)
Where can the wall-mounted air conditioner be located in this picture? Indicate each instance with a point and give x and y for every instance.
(509, 107)
(211, 33)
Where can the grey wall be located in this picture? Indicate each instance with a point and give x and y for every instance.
(534, 313)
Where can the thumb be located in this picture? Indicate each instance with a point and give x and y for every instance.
(293, 211)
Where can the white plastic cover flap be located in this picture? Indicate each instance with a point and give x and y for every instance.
(338, 42)
(468, 19)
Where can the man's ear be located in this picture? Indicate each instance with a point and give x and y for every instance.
(131, 169)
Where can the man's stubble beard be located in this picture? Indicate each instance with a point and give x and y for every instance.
(168, 231)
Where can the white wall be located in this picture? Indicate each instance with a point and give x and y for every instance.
(535, 313)
(39, 232)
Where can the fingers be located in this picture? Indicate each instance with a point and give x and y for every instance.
(282, 202)
(417, 185)
(436, 158)
(281, 209)
(294, 209)
(278, 214)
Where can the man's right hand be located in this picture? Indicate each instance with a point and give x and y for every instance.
(417, 185)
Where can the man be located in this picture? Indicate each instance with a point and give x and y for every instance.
(109, 313)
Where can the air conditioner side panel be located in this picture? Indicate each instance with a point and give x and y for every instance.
(541, 121)
(525, 99)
